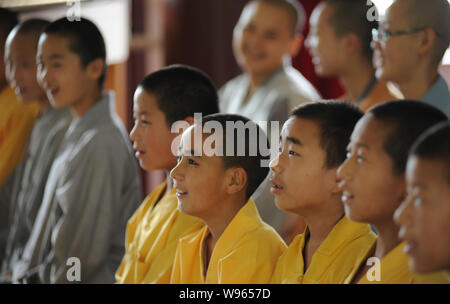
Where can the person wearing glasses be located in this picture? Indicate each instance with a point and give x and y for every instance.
(339, 43)
(409, 45)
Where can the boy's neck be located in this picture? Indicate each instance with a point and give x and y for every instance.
(87, 102)
(218, 220)
(387, 238)
(258, 79)
(356, 78)
(44, 105)
(320, 223)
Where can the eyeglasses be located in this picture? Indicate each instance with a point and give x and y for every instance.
(380, 35)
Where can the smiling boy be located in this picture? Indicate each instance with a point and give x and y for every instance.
(214, 183)
(93, 185)
(167, 96)
(27, 188)
(304, 182)
(424, 215)
(374, 185)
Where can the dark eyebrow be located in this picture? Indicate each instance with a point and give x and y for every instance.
(194, 154)
(55, 56)
(294, 140)
(140, 113)
(191, 152)
(51, 57)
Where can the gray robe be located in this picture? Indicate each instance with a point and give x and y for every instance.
(92, 190)
(29, 180)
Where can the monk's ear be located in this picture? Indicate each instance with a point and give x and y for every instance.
(427, 39)
(189, 120)
(95, 68)
(236, 179)
(295, 45)
(333, 180)
(351, 43)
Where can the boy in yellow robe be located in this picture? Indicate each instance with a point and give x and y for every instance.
(169, 95)
(16, 118)
(313, 143)
(374, 185)
(215, 184)
(424, 216)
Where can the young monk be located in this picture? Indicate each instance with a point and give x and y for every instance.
(170, 95)
(27, 187)
(216, 174)
(374, 185)
(304, 182)
(424, 215)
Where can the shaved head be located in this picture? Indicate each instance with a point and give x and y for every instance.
(430, 13)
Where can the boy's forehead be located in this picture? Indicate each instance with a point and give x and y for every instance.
(266, 12)
(300, 128)
(369, 131)
(144, 101)
(21, 43)
(53, 45)
(191, 133)
(194, 139)
(287, 126)
(424, 171)
(187, 137)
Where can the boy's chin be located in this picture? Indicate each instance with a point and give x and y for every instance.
(424, 265)
(352, 216)
(183, 208)
(283, 204)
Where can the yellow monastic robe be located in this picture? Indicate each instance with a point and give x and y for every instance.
(16, 122)
(344, 247)
(246, 253)
(394, 269)
(152, 237)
